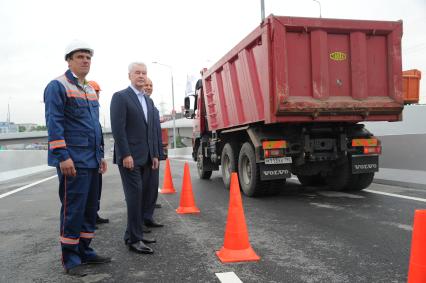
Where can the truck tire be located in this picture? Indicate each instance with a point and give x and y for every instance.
(249, 172)
(203, 174)
(339, 179)
(311, 180)
(360, 181)
(228, 163)
(342, 179)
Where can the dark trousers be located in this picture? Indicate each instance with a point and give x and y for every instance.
(79, 199)
(135, 191)
(153, 183)
(99, 191)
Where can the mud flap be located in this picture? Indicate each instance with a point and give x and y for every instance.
(274, 171)
(364, 164)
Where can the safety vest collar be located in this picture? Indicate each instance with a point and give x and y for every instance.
(72, 79)
(74, 90)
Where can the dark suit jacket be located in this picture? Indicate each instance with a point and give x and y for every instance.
(133, 135)
(157, 126)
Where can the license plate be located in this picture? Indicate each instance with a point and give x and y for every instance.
(278, 160)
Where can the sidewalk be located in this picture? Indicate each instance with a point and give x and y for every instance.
(12, 174)
(400, 177)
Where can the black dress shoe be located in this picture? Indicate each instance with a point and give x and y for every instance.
(145, 240)
(141, 248)
(152, 224)
(148, 240)
(97, 259)
(100, 220)
(157, 205)
(145, 230)
(77, 271)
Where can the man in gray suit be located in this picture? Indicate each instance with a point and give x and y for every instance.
(135, 151)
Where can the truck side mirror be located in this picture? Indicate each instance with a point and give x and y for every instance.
(189, 113)
(187, 103)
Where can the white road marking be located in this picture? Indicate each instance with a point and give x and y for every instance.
(228, 277)
(338, 194)
(26, 186)
(398, 225)
(183, 160)
(323, 205)
(395, 195)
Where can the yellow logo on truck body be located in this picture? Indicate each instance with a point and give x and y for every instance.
(338, 56)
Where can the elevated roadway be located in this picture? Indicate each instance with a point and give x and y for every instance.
(302, 235)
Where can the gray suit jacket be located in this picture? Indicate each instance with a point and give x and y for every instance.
(133, 135)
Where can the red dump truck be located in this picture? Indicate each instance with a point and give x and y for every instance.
(290, 99)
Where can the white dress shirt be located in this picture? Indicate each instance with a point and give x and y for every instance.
(141, 97)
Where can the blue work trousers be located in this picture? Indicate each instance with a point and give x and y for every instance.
(79, 198)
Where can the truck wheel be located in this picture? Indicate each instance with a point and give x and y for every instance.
(360, 181)
(248, 172)
(339, 179)
(228, 163)
(311, 180)
(203, 174)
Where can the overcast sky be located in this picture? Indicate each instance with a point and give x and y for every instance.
(186, 35)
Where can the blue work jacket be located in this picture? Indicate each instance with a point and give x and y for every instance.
(72, 120)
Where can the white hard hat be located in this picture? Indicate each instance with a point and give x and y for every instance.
(77, 45)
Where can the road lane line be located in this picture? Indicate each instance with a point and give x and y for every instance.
(183, 160)
(228, 277)
(395, 195)
(26, 186)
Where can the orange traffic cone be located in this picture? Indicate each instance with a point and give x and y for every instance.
(187, 203)
(168, 187)
(417, 269)
(236, 246)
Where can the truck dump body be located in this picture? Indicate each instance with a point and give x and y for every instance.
(308, 70)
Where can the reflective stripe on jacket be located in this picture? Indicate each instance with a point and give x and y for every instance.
(72, 120)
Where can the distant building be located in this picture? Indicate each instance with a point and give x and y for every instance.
(28, 126)
(168, 117)
(8, 127)
(183, 132)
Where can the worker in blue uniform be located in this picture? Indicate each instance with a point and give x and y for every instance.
(74, 136)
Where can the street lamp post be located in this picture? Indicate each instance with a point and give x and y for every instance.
(319, 3)
(173, 101)
(262, 10)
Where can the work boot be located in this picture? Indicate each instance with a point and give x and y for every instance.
(97, 259)
(77, 271)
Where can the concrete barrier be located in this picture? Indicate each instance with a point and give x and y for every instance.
(403, 158)
(19, 163)
(19, 159)
(184, 152)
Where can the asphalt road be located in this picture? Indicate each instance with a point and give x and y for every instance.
(301, 235)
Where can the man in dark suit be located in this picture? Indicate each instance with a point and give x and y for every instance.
(151, 204)
(135, 151)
